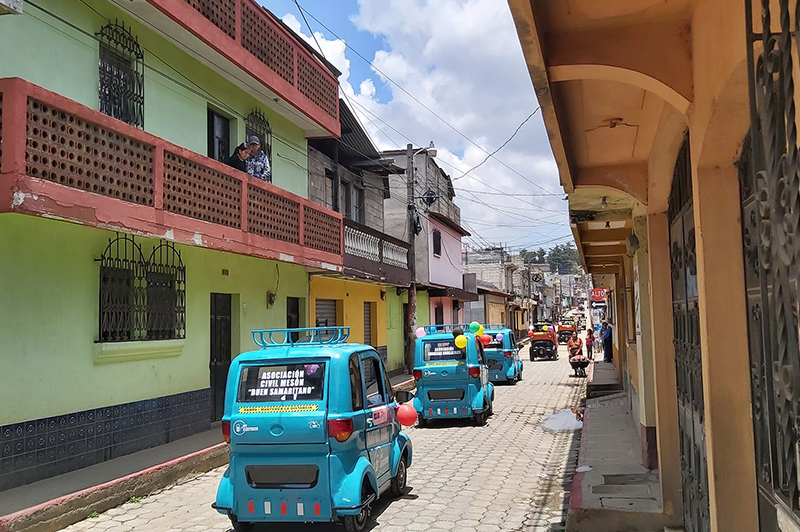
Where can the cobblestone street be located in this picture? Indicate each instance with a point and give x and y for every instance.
(510, 475)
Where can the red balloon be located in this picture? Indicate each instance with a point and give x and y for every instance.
(530, 332)
(486, 339)
(406, 415)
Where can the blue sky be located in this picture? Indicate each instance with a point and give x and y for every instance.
(462, 59)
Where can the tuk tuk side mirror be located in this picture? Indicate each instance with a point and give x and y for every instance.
(519, 345)
(403, 397)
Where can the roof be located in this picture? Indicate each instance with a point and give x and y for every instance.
(449, 223)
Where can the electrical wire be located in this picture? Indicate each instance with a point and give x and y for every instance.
(418, 101)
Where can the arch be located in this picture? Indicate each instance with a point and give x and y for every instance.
(622, 75)
(717, 143)
(661, 165)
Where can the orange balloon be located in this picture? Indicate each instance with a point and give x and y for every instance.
(406, 415)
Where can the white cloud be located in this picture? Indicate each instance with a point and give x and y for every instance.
(462, 59)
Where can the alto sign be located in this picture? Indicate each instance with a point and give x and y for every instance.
(598, 294)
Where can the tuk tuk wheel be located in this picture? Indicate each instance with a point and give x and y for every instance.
(240, 526)
(398, 485)
(422, 422)
(480, 418)
(358, 523)
(491, 410)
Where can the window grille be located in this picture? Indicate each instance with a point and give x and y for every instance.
(121, 75)
(257, 124)
(141, 299)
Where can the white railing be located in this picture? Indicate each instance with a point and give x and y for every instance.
(395, 255)
(361, 244)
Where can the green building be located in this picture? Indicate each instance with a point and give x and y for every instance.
(133, 262)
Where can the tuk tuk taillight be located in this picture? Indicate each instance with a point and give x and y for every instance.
(226, 431)
(508, 353)
(340, 429)
(417, 374)
(475, 371)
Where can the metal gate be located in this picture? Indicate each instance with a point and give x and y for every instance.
(686, 334)
(768, 175)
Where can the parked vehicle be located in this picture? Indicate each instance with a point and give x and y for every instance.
(544, 342)
(566, 327)
(312, 428)
(452, 382)
(502, 355)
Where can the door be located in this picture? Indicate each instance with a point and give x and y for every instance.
(293, 315)
(438, 311)
(218, 136)
(220, 351)
(380, 418)
(768, 185)
(326, 312)
(688, 356)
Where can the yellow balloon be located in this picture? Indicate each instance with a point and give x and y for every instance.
(545, 328)
(480, 331)
(461, 341)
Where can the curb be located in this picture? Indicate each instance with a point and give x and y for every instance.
(63, 511)
(405, 386)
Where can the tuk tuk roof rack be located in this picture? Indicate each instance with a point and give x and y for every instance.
(306, 336)
(496, 326)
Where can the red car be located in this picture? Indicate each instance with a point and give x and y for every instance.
(544, 343)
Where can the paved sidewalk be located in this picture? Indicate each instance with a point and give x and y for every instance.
(612, 491)
(509, 475)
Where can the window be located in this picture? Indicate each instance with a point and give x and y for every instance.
(256, 124)
(344, 193)
(329, 185)
(356, 393)
(121, 93)
(273, 383)
(219, 139)
(141, 299)
(358, 204)
(373, 381)
(438, 313)
(437, 243)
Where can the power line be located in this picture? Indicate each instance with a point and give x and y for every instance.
(503, 145)
(417, 100)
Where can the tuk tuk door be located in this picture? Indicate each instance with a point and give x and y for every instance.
(380, 417)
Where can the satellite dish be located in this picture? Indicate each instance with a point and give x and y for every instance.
(429, 197)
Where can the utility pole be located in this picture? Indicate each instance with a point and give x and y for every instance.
(412, 260)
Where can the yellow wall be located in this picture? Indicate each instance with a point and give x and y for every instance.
(352, 295)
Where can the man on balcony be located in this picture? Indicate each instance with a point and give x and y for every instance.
(257, 162)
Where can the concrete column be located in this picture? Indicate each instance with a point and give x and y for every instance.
(664, 380)
(644, 346)
(724, 343)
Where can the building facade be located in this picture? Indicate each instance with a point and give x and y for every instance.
(349, 176)
(674, 128)
(135, 262)
(437, 246)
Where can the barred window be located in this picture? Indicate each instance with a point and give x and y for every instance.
(141, 299)
(121, 75)
(256, 123)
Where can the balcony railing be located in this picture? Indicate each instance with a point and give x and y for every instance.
(373, 255)
(250, 37)
(62, 159)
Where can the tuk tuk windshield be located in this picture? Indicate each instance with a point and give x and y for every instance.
(272, 383)
(540, 327)
(436, 350)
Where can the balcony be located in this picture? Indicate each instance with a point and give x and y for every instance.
(244, 42)
(59, 159)
(370, 254)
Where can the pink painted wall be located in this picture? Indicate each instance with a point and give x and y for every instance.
(445, 269)
(447, 306)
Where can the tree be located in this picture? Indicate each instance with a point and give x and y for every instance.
(563, 259)
(534, 257)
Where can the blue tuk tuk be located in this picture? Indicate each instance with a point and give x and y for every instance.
(313, 432)
(502, 354)
(452, 382)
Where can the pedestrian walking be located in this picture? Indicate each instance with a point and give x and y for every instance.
(605, 333)
(239, 158)
(589, 343)
(257, 161)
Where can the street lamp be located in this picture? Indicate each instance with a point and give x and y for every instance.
(411, 318)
